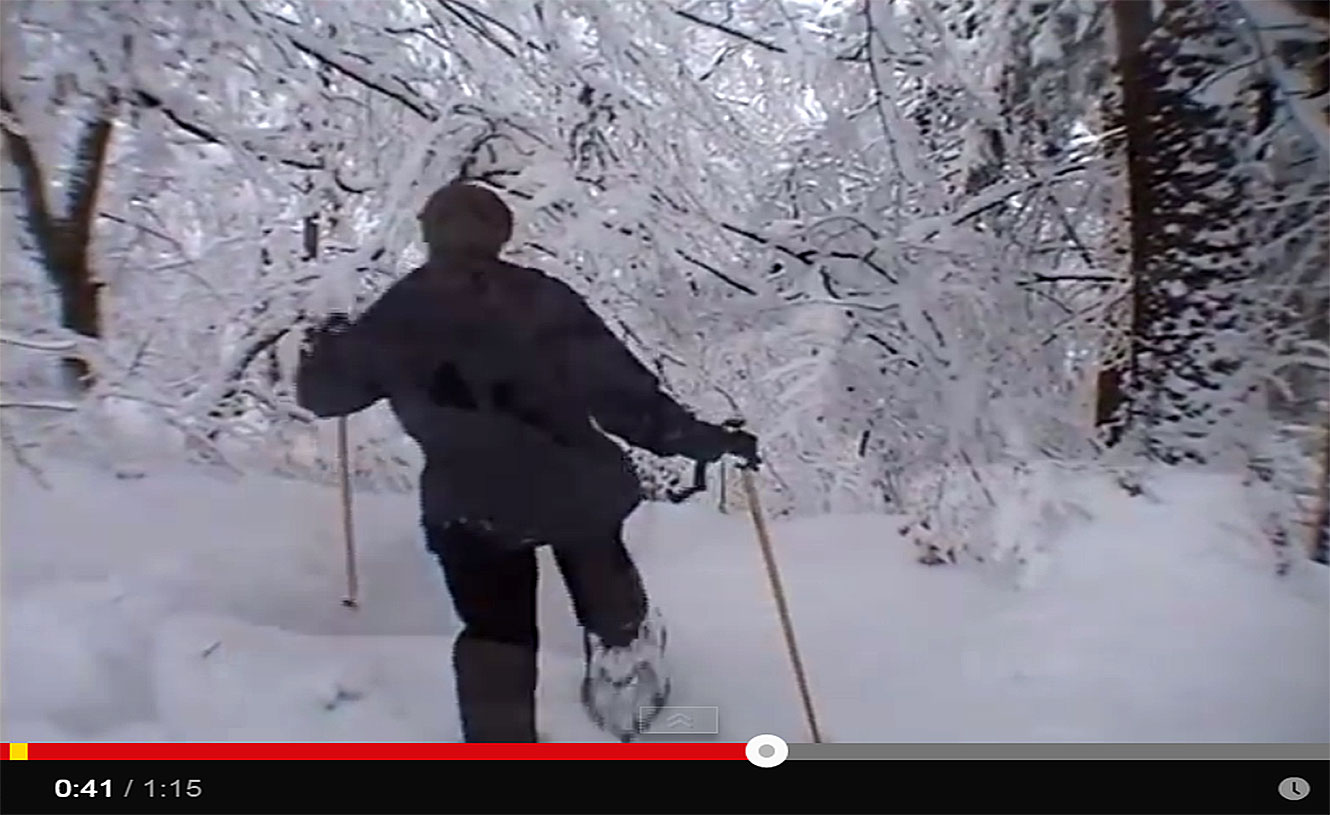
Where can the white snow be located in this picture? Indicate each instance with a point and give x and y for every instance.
(180, 606)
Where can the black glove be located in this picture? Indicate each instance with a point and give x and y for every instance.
(743, 444)
(732, 439)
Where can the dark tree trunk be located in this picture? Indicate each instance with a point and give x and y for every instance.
(1134, 24)
(1190, 215)
(80, 310)
(64, 241)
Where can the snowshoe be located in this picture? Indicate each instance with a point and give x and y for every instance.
(624, 687)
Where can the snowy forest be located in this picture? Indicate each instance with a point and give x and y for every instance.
(949, 260)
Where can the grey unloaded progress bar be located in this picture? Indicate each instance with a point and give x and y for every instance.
(1024, 752)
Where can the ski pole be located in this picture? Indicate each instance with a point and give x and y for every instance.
(311, 240)
(782, 607)
(348, 527)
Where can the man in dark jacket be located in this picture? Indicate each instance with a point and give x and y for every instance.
(509, 383)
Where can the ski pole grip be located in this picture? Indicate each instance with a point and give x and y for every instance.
(735, 424)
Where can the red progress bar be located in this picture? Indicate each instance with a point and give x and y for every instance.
(372, 752)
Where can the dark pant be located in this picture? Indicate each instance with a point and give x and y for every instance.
(494, 592)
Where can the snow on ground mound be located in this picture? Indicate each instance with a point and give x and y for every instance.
(183, 607)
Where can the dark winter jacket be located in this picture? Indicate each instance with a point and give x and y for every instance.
(506, 379)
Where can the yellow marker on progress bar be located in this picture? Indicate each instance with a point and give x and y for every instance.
(18, 752)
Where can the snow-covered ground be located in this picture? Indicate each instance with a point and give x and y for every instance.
(181, 606)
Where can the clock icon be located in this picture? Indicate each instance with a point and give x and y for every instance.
(1294, 789)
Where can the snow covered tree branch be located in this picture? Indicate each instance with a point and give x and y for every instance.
(921, 247)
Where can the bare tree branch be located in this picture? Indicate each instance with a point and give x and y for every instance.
(86, 174)
(736, 284)
(1086, 278)
(40, 404)
(144, 229)
(422, 109)
(32, 184)
(36, 345)
(733, 32)
(152, 101)
(475, 27)
(499, 24)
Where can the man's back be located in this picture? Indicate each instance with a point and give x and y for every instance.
(506, 379)
(480, 365)
(492, 338)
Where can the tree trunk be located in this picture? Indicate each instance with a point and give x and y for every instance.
(80, 309)
(64, 241)
(1190, 216)
(1134, 23)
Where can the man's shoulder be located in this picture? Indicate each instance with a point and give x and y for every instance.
(531, 275)
(406, 293)
(549, 287)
